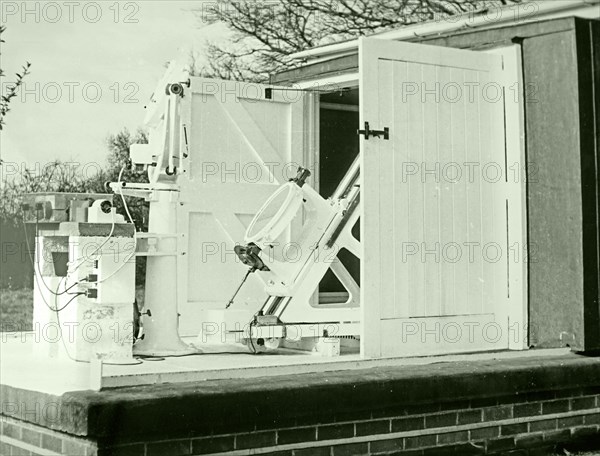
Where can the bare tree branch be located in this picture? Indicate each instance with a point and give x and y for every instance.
(267, 33)
(12, 89)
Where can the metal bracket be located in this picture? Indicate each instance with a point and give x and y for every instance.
(154, 244)
(139, 190)
(269, 90)
(385, 133)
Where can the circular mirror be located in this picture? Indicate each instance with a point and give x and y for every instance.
(275, 215)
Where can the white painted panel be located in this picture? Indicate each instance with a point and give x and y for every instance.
(456, 177)
(443, 335)
(242, 147)
(401, 206)
(447, 206)
(434, 221)
(415, 192)
(386, 178)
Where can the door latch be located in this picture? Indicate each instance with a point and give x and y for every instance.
(385, 133)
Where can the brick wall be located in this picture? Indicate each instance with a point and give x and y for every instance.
(527, 424)
(21, 438)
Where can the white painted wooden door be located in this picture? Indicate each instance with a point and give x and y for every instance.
(242, 146)
(435, 275)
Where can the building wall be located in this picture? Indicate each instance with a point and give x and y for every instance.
(554, 191)
(562, 200)
(588, 45)
(480, 427)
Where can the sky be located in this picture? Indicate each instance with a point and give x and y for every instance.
(94, 66)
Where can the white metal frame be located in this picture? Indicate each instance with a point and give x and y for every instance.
(343, 81)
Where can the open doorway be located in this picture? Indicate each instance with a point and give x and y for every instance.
(338, 147)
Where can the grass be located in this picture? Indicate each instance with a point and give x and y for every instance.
(16, 310)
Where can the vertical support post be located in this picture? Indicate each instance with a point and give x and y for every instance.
(161, 329)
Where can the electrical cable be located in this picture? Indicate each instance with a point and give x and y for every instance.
(132, 254)
(64, 344)
(62, 338)
(36, 267)
(112, 230)
(123, 197)
(67, 289)
(75, 295)
(252, 323)
(36, 272)
(125, 261)
(55, 308)
(160, 358)
(57, 311)
(149, 358)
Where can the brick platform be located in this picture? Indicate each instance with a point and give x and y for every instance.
(525, 406)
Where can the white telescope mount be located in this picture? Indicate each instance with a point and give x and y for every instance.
(289, 312)
(162, 157)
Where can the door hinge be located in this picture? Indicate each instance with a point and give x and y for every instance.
(385, 133)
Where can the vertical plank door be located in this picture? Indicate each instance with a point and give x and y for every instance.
(435, 269)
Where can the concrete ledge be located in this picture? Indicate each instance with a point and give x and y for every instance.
(241, 405)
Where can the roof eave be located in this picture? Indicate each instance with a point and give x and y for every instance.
(479, 20)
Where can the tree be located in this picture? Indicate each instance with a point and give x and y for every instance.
(74, 177)
(71, 177)
(12, 89)
(266, 33)
(118, 158)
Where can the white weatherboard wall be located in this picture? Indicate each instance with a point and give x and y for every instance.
(242, 147)
(435, 272)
